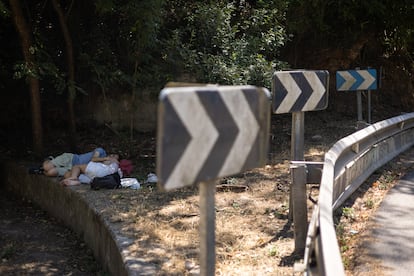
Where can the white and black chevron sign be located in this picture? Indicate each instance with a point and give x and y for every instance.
(295, 91)
(210, 132)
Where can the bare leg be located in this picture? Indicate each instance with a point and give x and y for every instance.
(75, 171)
(71, 177)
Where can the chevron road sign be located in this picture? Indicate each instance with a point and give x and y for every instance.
(209, 132)
(295, 91)
(351, 80)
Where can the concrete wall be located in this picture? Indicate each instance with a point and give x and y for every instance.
(77, 208)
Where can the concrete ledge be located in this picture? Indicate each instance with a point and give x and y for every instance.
(73, 206)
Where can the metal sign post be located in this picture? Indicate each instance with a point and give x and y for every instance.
(369, 107)
(359, 105)
(295, 92)
(207, 228)
(205, 133)
(300, 207)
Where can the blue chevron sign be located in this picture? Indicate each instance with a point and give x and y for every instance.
(208, 132)
(352, 80)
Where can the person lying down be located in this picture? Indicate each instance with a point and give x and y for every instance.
(85, 173)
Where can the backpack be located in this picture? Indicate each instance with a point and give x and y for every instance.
(111, 181)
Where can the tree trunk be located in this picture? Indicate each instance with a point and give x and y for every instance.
(26, 43)
(71, 73)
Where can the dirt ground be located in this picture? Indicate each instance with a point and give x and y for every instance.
(33, 243)
(253, 233)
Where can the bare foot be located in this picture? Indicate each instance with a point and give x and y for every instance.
(70, 182)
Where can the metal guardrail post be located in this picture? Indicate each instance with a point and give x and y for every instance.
(313, 170)
(302, 172)
(297, 148)
(300, 209)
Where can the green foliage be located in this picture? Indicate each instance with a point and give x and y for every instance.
(105, 75)
(227, 43)
(120, 47)
(137, 21)
(8, 251)
(369, 203)
(45, 69)
(4, 12)
(273, 251)
(348, 212)
(338, 22)
(144, 44)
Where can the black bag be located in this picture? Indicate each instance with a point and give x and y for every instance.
(111, 181)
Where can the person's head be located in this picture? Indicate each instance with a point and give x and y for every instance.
(126, 166)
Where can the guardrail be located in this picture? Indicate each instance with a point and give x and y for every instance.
(347, 165)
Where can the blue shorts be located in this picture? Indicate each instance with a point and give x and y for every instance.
(80, 159)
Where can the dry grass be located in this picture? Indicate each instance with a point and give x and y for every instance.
(253, 236)
(253, 233)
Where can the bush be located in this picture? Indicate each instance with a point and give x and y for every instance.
(227, 43)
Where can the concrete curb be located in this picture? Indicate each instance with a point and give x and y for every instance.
(73, 207)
